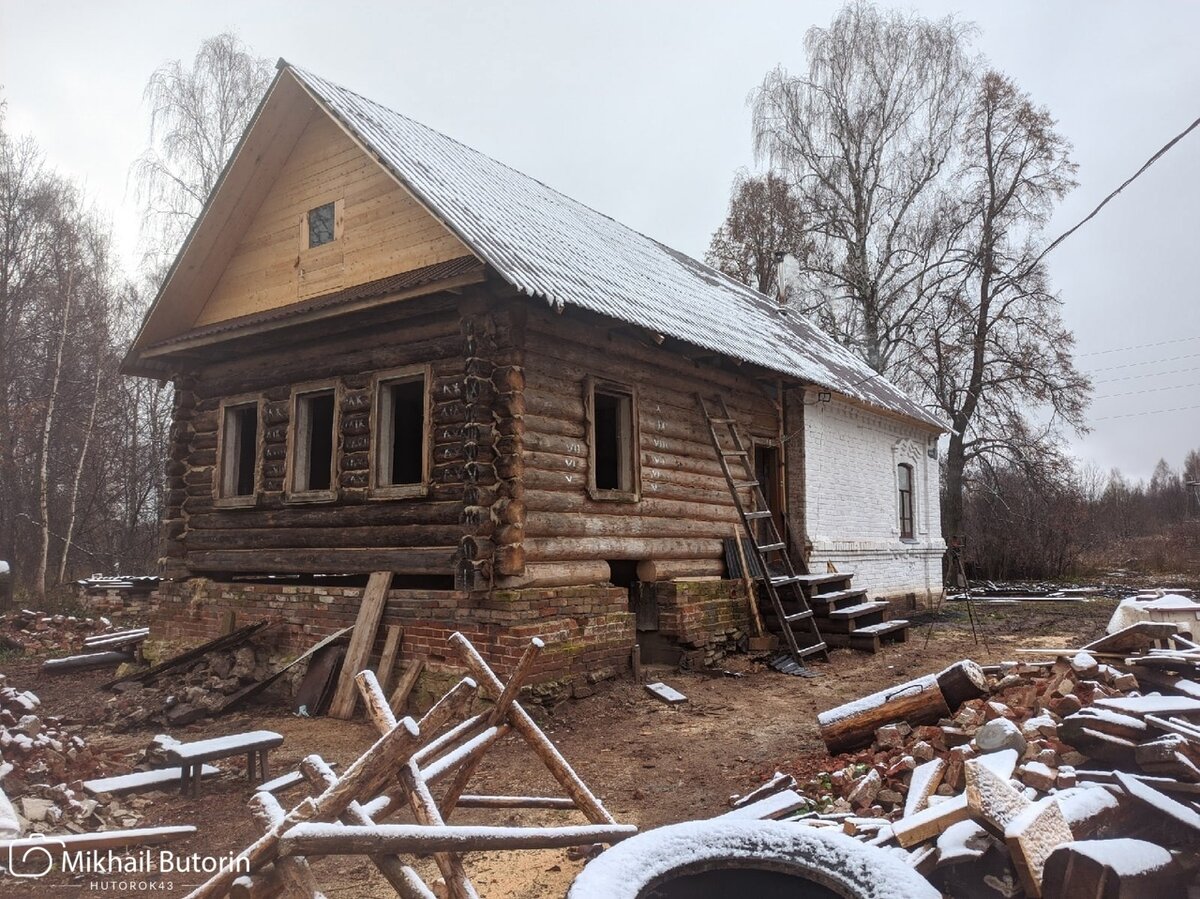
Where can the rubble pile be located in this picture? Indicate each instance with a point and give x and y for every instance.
(39, 632)
(1033, 779)
(43, 762)
(189, 693)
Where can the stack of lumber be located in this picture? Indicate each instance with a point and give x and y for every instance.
(1066, 777)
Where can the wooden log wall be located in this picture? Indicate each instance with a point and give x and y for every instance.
(491, 408)
(685, 509)
(354, 532)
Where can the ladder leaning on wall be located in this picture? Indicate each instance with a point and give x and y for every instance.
(783, 585)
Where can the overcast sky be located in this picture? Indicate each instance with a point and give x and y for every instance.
(639, 110)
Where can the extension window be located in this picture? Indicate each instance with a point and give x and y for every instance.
(614, 471)
(238, 471)
(401, 434)
(314, 419)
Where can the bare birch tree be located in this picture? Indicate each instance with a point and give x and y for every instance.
(864, 137)
(197, 116)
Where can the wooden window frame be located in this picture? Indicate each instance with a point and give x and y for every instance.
(222, 498)
(299, 391)
(911, 533)
(590, 386)
(339, 205)
(379, 382)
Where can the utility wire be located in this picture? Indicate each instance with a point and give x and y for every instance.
(1109, 396)
(1149, 374)
(1148, 412)
(1139, 346)
(1144, 362)
(1128, 181)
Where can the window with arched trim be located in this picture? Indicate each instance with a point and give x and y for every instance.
(904, 484)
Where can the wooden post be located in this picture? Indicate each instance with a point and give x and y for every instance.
(538, 741)
(407, 681)
(373, 601)
(294, 869)
(404, 880)
(391, 650)
(748, 582)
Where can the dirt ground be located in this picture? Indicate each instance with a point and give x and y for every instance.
(649, 763)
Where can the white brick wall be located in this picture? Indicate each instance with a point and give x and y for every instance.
(852, 503)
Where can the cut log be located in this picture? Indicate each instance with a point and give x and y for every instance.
(961, 682)
(853, 725)
(321, 839)
(105, 659)
(373, 601)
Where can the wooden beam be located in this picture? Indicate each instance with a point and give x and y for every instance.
(374, 599)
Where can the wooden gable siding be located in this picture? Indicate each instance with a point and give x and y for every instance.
(353, 532)
(384, 231)
(685, 508)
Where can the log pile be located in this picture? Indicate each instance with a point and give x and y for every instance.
(347, 813)
(1060, 777)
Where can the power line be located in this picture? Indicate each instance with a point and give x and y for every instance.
(1128, 181)
(1149, 374)
(1144, 362)
(1149, 412)
(1109, 396)
(1139, 346)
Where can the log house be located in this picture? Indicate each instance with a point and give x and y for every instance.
(390, 352)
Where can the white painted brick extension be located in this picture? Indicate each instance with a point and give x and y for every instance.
(852, 500)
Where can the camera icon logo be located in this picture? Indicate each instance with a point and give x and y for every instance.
(33, 861)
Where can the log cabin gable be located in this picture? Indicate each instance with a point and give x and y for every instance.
(302, 211)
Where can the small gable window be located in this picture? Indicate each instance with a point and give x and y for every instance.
(904, 483)
(321, 225)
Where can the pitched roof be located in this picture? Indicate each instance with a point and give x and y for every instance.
(547, 245)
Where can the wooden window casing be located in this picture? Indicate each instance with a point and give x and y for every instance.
(387, 455)
(306, 476)
(614, 441)
(905, 493)
(237, 477)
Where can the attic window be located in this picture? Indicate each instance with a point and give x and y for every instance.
(321, 225)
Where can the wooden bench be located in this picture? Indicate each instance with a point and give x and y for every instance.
(192, 756)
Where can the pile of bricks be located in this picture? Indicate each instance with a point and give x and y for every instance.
(36, 632)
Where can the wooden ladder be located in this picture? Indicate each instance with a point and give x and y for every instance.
(787, 586)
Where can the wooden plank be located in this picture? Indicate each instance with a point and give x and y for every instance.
(257, 687)
(927, 824)
(141, 780)
(226, 642)
(408, 680)
(771, 808)
(1151, 705)
(1137, 637)
(374, 600)
(387, 662)
(667, 694)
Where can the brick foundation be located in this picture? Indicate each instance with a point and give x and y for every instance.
(588, 630)
(708, 618)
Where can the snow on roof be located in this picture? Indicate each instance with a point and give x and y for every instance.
(550, 246)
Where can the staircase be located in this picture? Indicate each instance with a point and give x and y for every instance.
(847, 617)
